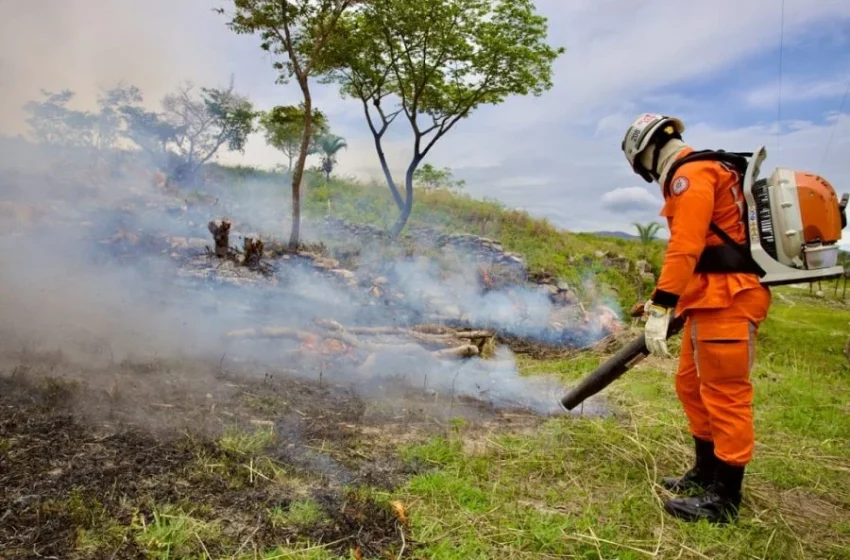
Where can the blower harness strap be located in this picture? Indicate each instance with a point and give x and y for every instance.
(731, 257)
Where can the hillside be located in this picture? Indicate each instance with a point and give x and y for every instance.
(575, 258)
(189, 405)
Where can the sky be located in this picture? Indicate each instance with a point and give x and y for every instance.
(714, 65)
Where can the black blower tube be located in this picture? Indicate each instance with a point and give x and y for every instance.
(614, 367)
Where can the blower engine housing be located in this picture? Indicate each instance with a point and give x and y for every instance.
(795, 221)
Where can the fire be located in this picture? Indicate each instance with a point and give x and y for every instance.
(326, 346)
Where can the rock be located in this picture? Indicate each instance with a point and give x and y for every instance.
(343, 273)
(563, 286)
(620, 263)
(326, 263)
(600, 254)
(567, 297)
(380, 281)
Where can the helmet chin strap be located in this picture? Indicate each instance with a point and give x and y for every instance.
(662, 153)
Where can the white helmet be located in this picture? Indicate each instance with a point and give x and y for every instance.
(642, 132)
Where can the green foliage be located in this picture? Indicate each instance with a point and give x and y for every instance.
(284, 129)
(188, 134)
(295, 31)
(441, 60)
(329, 145)
(150, 132)
(205, 123)
(298, 31)
(111, 123)
(429, 177)
(54, 124)
(647, 232)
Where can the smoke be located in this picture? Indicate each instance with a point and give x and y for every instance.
(95, 266)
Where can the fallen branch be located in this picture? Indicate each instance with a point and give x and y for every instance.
(457, 347)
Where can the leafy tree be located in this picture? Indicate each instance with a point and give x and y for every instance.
(111, 118)
(329, 145)
(441, 59)
(284, 129)
(150, 132)
(298, 31)
(203, 124)
(647, 234)
(54, 124)
(429, 177)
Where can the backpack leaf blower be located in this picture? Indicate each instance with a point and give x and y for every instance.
(793, 223)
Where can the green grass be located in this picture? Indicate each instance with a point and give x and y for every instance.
(577, 487)
(586, 487)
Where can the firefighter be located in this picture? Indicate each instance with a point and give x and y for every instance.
(723, 303)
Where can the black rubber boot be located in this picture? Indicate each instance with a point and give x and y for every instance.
(701, 474)
(719, 504)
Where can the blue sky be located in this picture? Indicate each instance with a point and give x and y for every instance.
(715, 65)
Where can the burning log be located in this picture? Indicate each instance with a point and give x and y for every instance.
(450, 344)
(253, 251)
(220, 230)
(426, 334)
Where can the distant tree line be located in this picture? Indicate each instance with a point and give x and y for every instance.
(192, 127)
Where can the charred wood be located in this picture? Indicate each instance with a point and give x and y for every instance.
(220, 230)
(253, 249)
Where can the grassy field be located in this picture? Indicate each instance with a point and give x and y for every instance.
(586, 487)
(368, 483)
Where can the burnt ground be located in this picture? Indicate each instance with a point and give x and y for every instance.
(174, 459)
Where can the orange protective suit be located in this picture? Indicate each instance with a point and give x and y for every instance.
(723, 311)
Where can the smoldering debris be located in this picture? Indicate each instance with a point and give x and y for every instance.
(149, 274)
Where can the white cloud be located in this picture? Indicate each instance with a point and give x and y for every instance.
(795, 89)
(630, 200)
(557, 156)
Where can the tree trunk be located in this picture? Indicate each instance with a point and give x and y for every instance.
(299, 165)
(408, 203)
(399, 202)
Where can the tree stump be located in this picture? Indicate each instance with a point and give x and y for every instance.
(220, 230)
(253, 251)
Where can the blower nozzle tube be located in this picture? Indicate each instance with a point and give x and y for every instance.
(618, 364)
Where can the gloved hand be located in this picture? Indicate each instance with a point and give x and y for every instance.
(638, 310)
(655, 331)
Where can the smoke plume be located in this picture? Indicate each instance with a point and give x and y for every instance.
(89, 260)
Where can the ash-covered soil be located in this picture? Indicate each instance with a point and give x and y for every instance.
(158, 401)
(90, 458)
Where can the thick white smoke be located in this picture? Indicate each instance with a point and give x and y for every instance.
(98, 270)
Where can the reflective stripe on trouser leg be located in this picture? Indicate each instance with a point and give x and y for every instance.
(688, 386)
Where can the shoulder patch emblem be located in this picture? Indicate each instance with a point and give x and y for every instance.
(680, 185)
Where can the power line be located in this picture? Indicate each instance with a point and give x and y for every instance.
(779, 95)
(835, 124)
